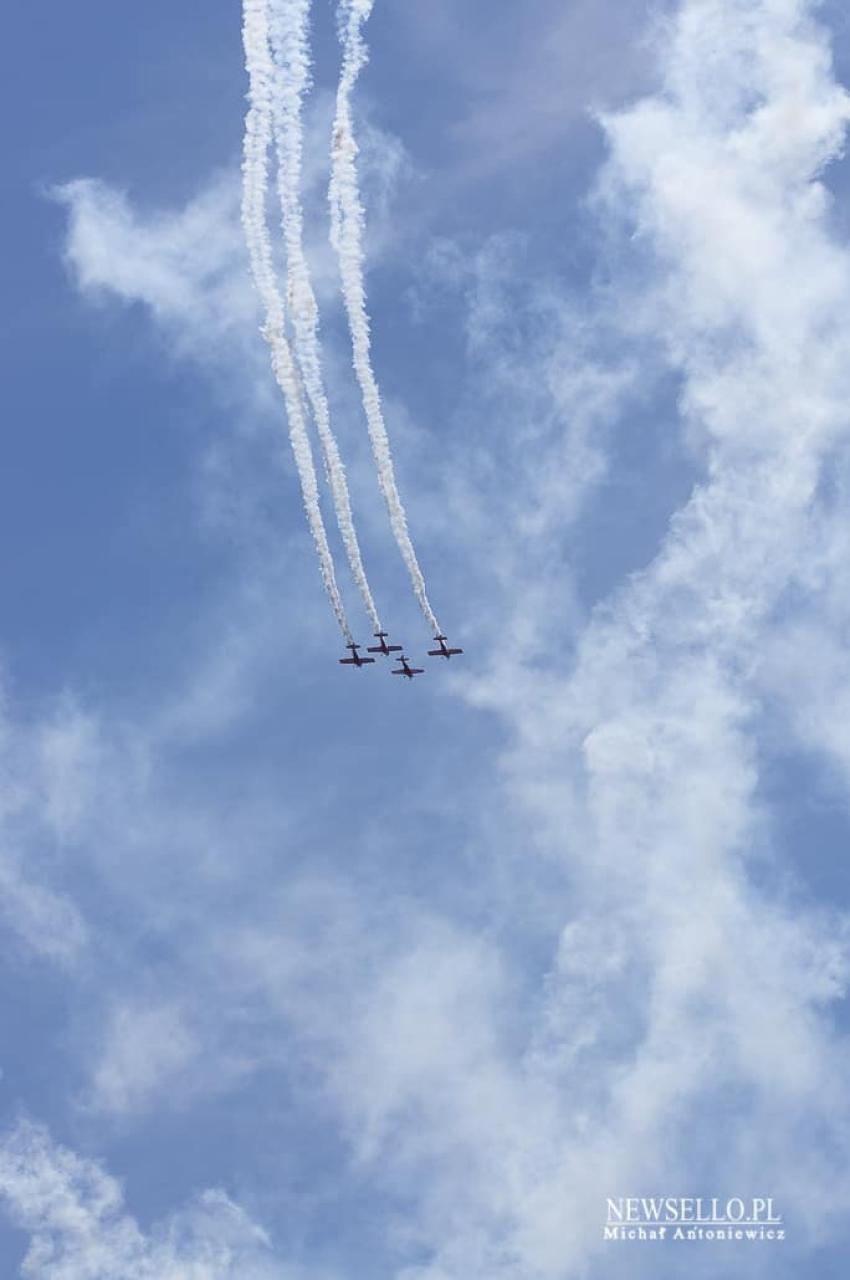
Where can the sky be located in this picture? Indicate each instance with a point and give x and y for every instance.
(309, 976)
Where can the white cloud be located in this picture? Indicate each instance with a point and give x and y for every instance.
(642, 767)
(146, 1052)
(46, 774)
(529, 76)
(189, 267)
(79, 1228)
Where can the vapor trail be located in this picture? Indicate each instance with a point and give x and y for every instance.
(290, 42)
(255, 174)
(347, 239)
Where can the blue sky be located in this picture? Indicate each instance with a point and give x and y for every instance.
(312, 977)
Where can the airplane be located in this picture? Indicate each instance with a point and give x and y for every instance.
(406, 670)
(443, 651)
(355, 660)
(383, 647)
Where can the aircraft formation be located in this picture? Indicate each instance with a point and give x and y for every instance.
(405, 669)
(276, 38)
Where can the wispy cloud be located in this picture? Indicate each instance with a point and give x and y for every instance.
(533, 78)
(74, 1213)
(46, 771)
(648, 756)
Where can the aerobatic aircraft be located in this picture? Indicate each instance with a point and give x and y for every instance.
(406, 670)
(383, 647)
(443, 651)
(355, 660)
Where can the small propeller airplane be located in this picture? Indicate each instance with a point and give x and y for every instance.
(443, 651)
(355, 660)
(383, 647)
(406, 670)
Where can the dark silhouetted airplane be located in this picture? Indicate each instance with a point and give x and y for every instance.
(383, 647)
(443, 651)
(355, 660)
(406, 670)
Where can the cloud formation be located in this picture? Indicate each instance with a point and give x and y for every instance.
(79, 1228)
(497, 1084)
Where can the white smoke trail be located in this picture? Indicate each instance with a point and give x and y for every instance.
(290, 42)
(347, 239)
(255, 172)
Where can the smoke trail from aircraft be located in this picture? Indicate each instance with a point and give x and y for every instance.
(290, 44)
(347, 239)
(255, 175)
